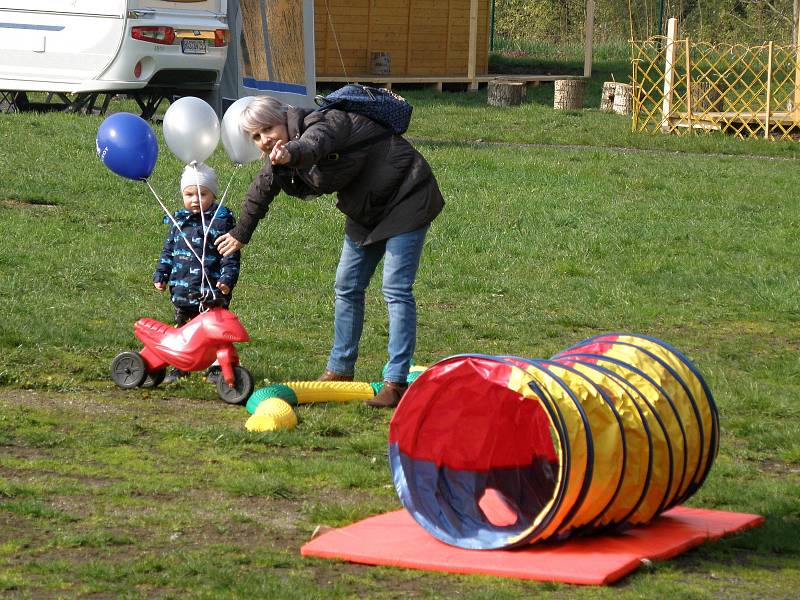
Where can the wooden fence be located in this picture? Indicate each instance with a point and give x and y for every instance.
(682, 86)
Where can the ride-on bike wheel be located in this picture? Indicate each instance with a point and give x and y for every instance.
(240, 392)
(128, 370)
(154, 379)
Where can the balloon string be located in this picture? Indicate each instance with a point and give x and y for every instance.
(205, 229)
(224, 195)
(214, 216)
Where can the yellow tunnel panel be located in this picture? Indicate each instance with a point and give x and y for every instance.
(638, 452)
(608, 455)
(576, 439)
(682, 403)
(709, 428)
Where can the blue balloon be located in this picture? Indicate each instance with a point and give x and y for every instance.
(127, 145)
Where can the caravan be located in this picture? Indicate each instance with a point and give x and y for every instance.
(157, 48)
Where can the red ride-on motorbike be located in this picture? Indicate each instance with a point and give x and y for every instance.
(191, 347)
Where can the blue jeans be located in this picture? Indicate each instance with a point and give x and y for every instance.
(401, 255)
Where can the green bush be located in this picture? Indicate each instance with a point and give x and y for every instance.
(562, 21)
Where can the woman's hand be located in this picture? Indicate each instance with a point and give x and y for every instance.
(160, 285)
(279, 155)
(225, 289)
(227, 244)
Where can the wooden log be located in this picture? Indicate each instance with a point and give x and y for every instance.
(607, 96)
(569, 94)
(708, 96)
(505, 93)
(623, 101)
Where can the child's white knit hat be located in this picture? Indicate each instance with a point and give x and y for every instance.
(200, 173)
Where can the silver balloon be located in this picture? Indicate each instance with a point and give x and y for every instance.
(238, 144)
(191, 129)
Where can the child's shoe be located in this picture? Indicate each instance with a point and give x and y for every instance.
(213, 373)
(174, 375)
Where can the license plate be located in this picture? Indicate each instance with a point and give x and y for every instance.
(193, 46)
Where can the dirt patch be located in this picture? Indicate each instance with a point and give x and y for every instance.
(29, 204)
(84, 402)
(778, 468)
(114, 402)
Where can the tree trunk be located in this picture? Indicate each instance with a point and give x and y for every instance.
(505, 93)
(708, 96)
(568, 94)
(623, 101)
(607, 96)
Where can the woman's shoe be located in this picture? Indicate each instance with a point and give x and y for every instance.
(389, 396)
(331, 376)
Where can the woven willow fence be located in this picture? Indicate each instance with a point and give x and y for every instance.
(682, 86)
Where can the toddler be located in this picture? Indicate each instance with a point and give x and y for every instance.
(193, 288)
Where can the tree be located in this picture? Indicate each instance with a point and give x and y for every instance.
(795, 16)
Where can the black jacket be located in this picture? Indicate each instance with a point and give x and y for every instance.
(383, 185)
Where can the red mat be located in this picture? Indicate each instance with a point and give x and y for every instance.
(395, 539)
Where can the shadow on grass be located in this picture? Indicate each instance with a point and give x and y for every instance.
(779, 535)
(773, 546)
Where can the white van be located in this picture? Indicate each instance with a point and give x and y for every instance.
(79, 46)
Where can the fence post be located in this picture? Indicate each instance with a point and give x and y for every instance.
(635, 105)
(689, 84)
(669, 74)
(588, 39)
(473, 45)
(796, 99)
(769, 91)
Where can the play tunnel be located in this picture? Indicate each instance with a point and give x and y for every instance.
(499, 451)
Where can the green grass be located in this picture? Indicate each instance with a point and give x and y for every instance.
(162, 493)
(525, 56)
(467, 118)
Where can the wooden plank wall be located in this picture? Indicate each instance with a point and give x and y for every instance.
(424, 38)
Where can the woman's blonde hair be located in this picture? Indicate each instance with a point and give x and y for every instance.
(263, 111)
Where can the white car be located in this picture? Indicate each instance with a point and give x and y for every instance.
(146, 48)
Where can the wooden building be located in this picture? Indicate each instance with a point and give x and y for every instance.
(385, 41)
(382, 42)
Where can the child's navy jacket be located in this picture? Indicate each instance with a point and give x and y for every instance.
(181, 269)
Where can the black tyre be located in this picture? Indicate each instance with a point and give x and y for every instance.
(128, 370)
(154, 379)
(240, 392)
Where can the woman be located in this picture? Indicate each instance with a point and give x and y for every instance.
(389, 195)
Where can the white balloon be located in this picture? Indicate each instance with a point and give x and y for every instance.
(191, 129)
(238, 144)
